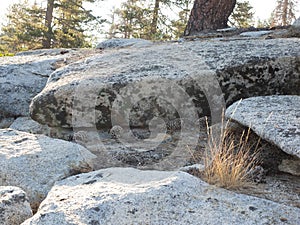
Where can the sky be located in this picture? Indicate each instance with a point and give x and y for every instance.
(262, 8)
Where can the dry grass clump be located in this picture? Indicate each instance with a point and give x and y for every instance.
(228, 159)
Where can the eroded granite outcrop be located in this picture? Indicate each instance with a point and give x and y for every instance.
(166, 80)
(277, 120)
(14, 206)
(23, 76)
(297, 23)
(26, 124)
(130, 196)
(123, 43)
(35, 162)
(274, 118)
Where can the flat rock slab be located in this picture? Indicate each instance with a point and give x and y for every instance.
(35, 162)
(274, 118)
(129, 196)
(23, 76)
(164, 80)
(122, 43)
(26, 124)
(14, 206)
(255, 34)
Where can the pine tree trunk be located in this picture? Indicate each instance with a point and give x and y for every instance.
(209, 15)
(48, 23)
(155, 17)
(285, 12)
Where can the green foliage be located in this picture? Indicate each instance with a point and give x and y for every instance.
(134, 20)
(263, 23)
(68, 22)
(6, 54)
(27, 29)
(178, 26)
(148, 19)
(284, 13)
(24, 29)
(242, 15)
(71, 23)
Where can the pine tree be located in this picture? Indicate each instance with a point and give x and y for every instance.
(71, 20)
(242, 15)
(209, 15)
(68, 30)
(263, 23)
(155, 15)
(164, 28)
(48, 23)
(112, 32)
(133, 20)
(61, 24)
(284, 13)
(178, 26)
(145, 19)
(25, 28)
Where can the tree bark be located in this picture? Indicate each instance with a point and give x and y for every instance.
(155, 17)
(285, 12)
(207, 15)
(48, 24)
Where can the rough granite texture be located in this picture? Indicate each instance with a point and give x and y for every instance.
(26, 124)
(274, 118)
(45, 52)
(129, 196)
(6, 122)
(255, 34)
(122, 43)
(14, 206)
(290, 166)
(297, 23)
(168, 81)
(35, 162)
(23, 76)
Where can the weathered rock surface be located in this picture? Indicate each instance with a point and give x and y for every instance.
(6, 122)
(166, 80)
(255, 34)
(296, 23)
(122, 43)
(158, 151)
(129, 196)
(274, 118)
(25, 75)
(14, 206)
(21, 78)
(294, 30)
(43, 52)
(26, 124)
(290, 166)
(35, 162)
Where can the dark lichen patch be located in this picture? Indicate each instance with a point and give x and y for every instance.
(21, 140)
(99, 175)
(260, 78)
(94, 222)
(252, 208)
(90, 182)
